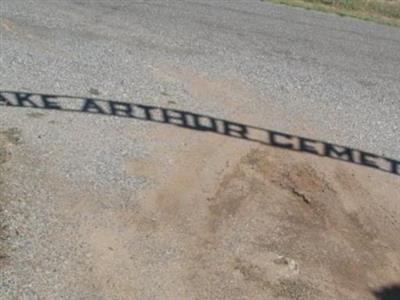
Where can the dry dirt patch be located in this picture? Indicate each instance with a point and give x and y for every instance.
(327, 227)
(240, 223)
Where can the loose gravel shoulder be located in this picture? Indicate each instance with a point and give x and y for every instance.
(130, 158)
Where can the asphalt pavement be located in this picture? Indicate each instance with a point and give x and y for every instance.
(301, 73)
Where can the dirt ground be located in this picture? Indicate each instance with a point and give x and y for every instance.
(253, 223)
(97, 205)
(228, 219)
(275, 225)
(233, 221)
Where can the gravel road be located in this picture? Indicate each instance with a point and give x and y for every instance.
(110, 198)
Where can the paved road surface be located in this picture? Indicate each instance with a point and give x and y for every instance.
(107, 207)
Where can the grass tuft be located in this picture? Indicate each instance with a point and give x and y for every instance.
(381, 11)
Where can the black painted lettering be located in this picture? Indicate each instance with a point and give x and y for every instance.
(365, 159)
(4, 101)
(273, 139)
(148, 111)
(174, 117)
(235, 129)
(49, 104)
(394, 166)
(344, 153)
(24, 101)
(91, 106)
(204, 123)
(121, 109)
(306, 145)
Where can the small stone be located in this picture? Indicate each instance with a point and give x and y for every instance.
(94, 91)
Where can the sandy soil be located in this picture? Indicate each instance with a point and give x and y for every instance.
(223, 218)
(228, 221)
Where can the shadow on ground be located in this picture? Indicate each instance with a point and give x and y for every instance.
(388, 292)
(199, 122)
